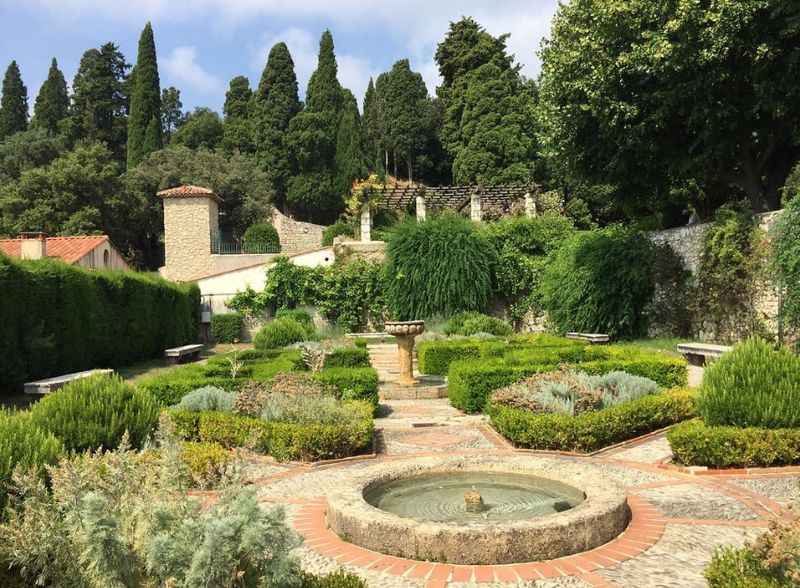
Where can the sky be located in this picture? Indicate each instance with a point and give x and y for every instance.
(202, 44)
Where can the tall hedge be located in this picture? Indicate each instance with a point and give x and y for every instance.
(57, 319)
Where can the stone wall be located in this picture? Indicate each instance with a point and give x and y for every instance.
(188, 224)
(296, 236)
(687, 242)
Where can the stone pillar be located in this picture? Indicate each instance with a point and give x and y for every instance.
(405, 345)
(366, 225)
(33, 246)
(530, 206)
(421, 214)
(475, 208)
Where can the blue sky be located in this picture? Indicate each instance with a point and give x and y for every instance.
(202, 44)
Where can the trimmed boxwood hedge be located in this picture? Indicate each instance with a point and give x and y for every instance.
(352, 383)
(695, 443)
(283, 441)
(471, 383)
(594, 430)
(348, 357)
(227, 327)
(56, 318)
(435, 357)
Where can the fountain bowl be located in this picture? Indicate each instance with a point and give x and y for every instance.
(404, 328)
(587, 511)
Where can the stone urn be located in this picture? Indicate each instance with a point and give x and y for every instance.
(405, 332)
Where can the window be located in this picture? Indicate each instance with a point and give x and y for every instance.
(106, 258)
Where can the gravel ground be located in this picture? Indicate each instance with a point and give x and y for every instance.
(697, 502)
(653, 451)
(679, 558)
(784, 490)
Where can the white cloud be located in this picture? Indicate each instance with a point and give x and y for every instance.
(181, 66)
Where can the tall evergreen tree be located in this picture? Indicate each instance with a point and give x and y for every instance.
(276, 104)
(52, 103)
(373, 128)
(99, 99)
(144, 136)
(238, 135)
(171, 111)
(324, 92)
(351, 163)
(14, 103)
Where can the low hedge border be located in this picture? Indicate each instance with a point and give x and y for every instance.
(696, 444)
(348, 357)
(283, 441)
(435, 357)
(595, 430)
(352, 383)
(470, 383)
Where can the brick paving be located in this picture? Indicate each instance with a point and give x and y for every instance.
(678, 519)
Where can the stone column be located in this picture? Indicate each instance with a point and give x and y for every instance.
(530, 206)
(405, 345)
(366, 225)
(475, 208)
(421, 214)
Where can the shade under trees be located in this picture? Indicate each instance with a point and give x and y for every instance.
(52, 102)
(14, 103)
(144, 122)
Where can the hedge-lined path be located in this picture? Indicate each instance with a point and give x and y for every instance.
(678, 518)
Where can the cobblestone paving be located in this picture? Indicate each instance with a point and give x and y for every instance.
(697, 502)
(708, 514)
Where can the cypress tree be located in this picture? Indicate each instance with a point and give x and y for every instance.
(276, 104)
(14, 103)
(145, 104)
(324, 93)
(237, 98)
(52, 103)
(350, 157)
(372, 125)
(237, 134)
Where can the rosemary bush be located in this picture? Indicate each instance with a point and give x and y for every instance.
(280, 333)
(754, 385)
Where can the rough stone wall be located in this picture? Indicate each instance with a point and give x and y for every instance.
(296, 236)
(687, 242)
(352, 250)
(188, 223)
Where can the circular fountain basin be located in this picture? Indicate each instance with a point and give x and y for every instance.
(446, 497)
(479, 511)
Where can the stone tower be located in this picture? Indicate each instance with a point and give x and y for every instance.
(191, 216)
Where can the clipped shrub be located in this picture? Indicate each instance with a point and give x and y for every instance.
(470, 323)
(261, 238)
(56, 318)
(339, 228)
(591, 430)
(298, 315)
(95, 412)
(437, 267)
(754, 385)
(347, 357)
(695, 443)
(24, 444)
(351, 383)
(435, 357)
(207, 398)
(325, 410)
(338, 579)
(600, 282)
(280, 333)
(226, 327)
(170, 387)
(207, 463)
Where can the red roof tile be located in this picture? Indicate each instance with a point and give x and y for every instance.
(188, 191)
(69, 249)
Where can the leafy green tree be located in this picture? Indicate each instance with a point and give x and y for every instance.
(674, 101)
(351, 161)
(237, 131)
(276, 104)
(144, 136)
(405, 102)
(14, 103)
(52, 103)
(99, 99)
(27, 150)
(202, 128)
(172, 116)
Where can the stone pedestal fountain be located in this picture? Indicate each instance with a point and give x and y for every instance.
(405, 332)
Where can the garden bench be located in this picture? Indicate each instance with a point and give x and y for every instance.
(183, 353)
(51, 384)
(593, 338)
(698, 354)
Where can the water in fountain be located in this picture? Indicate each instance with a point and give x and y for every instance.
(455, 497)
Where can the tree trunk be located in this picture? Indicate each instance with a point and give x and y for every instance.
(386, 160)
(394, 162)
(410, 170)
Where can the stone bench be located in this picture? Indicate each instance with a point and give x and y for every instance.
(51, 384)
(699, 354)
(184, 353)
(592, 338)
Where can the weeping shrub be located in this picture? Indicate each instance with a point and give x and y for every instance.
(95, 412)
(600, 282)
(437, 267)
(752, 386)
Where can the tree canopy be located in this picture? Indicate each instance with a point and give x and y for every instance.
(52, 103)
(14, 103)
(144, 122)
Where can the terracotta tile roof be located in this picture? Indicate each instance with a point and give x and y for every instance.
(69, 249)
(188, 191)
